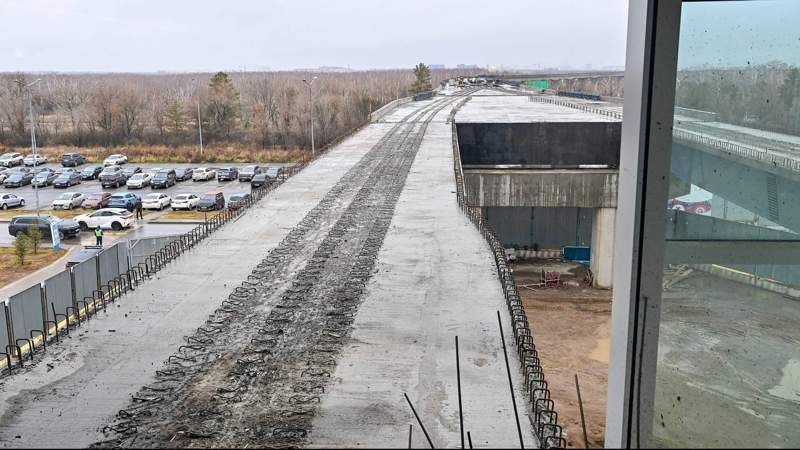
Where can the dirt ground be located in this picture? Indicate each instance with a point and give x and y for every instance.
(11, 271)
(571, 326)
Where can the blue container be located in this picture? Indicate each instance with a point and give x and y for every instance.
(577, 254)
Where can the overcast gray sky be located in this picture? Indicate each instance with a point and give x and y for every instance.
(186, 35)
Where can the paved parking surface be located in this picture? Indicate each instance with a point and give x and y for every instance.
(48, 194)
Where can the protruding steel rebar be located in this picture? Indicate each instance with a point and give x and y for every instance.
(510, 383)
(424, 431)
(460, 409)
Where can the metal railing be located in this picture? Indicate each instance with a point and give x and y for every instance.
(545, 418)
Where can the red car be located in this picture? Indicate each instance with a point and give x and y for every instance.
(97, 200)
(697, 201)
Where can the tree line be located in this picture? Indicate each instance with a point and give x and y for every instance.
(259, 109)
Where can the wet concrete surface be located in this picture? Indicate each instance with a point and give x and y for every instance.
(78, 386)
(434, 279)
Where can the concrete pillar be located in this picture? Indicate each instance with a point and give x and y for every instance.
(603, 246)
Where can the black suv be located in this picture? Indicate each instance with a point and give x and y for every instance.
(72, 159)
(66, 228)
(227, 174)
(163, 179)
(260, 181)
(184, 173)
(91, 172)
(211, 201)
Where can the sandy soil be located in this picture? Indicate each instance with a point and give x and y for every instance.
(571, 326)
(10, 271)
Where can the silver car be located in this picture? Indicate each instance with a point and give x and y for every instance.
(10, 200)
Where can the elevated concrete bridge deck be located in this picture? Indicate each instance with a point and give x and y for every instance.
(433, 278)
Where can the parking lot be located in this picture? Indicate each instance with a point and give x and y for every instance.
(49, 193)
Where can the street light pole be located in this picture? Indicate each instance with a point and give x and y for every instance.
(311, 112)
(29, 87)
(199, 119)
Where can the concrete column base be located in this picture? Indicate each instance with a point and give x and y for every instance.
(602, 257)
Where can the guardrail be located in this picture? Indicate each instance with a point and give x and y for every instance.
(44, 312)
(545, 418)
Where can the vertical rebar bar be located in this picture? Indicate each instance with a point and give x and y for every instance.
(460, 408)
(410, 433)
(510, 383)
(583, 419)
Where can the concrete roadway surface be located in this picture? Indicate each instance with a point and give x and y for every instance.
(433, 279)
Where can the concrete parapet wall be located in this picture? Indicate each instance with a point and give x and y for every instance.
(381, 112)
(582, 188)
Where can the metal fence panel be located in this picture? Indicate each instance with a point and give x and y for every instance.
(145, 247)
(3, 329)
(122, 256)
(59, 292)
(109, 264)
(26, 312)
(85, 279)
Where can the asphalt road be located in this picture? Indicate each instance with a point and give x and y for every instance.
(49, 193)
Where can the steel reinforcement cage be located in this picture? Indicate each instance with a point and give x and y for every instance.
(545, 418)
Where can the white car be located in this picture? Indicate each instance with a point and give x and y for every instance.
(115, 160)
(139, 180)
(156, 201)
(34, 160)
(108, 218)
(204, 174)
(68, 200)
(185, 201)
(11, 159)
(10, 200)
(4, 173)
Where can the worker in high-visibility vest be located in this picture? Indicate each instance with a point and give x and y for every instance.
(98, 234)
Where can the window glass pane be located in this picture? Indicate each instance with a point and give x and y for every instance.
(729, 336)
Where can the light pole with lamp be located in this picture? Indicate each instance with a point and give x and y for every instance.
(29, 87)
(311, 111)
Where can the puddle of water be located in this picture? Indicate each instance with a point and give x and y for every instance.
(789, 386)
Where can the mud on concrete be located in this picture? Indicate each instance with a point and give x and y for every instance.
(571, 326)
(254, 373)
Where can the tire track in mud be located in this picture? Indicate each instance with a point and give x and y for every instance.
(253, 373)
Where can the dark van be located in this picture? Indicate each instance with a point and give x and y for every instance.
(164, 179)
(67, 228)
(211, 201)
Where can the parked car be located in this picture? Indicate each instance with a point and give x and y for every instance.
(72, 159)
(185, 201)
(112, 176)
(131, 171)
(10, 201)
(34, 160)
(68, 200)
(276, 173)
(67, 179)
(63, 170)
(66, 228)
(152, 171)
(86, 254)
(184, 173)
(238, 200)
(260, 180)
(123, 199)
(11, 159)
(91, 172)
(115, 160)
(97, 200)
(4, 171)
(227, 174)
(248, 172)
(204, 174)
(156, 201)
(211, 201)
(18, 178)
(164, 178)
(697, 201)
(138, 181)
(108, 218)
(44, 178)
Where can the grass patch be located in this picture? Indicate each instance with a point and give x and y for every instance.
(180, 154)
(10, 271)
(63, 213)
(186, 215)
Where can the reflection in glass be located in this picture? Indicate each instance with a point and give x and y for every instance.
(729, 337)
